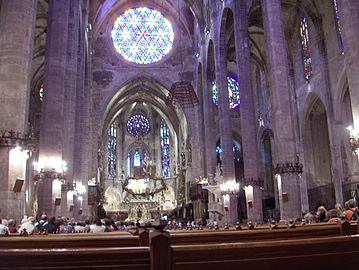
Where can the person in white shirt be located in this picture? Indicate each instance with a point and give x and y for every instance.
(97, 227)
(4, 230)
(28, 226)
(79, 227)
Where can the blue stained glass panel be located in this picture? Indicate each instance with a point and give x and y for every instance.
(136, 159)
(304, 39)
(338, 25)
(233, 93)
(138, 125)
(165, 148)
(111, 151)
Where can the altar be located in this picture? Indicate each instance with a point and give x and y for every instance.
(142, 196)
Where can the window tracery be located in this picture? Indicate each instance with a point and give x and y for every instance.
(233, 93)
(142, 35)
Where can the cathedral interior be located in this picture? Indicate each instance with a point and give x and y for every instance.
(217, 110)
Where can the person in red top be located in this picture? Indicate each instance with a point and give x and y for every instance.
(351, 211)
(12, 226)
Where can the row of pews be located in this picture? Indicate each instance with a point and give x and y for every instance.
(318, 246)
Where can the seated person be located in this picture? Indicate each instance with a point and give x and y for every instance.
(12, 226)
(333, 216)
(51, 226)
(322, 214)
(97, 227)
(4, 230)
(351, 210)
(28, 226)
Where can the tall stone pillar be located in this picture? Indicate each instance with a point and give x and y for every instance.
(349, 10)
(210, 141)
(225, 129)
(70, 106)
(52, 121)
(197, 168)
(81, 172)
(248, 123)
(195, 118)
(284, 137)
(17, 25)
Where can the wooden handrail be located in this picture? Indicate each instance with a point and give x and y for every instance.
(277, 249)
(134, 258)
(321, 253)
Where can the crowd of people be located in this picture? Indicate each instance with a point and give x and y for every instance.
(45, 225)
(349, 213)
(53, 225)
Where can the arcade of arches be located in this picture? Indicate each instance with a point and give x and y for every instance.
(226, 110)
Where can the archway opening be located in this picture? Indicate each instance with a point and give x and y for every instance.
(317, 154)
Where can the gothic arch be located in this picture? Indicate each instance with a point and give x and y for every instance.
(340, 90)
(143, 88)
(317, 160)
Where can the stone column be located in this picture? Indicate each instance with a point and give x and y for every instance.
(17, 25)
(225, 129)
(70, 104)
(81, 173)
(194, 117)
(284, 137)
(247, 109)
(52, 121)
(209, 136)
(349, 10)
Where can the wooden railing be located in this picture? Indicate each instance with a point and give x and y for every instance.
(321, 253)
(128, 258)
(310, 246)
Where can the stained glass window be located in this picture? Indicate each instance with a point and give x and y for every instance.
(236, 152)
(128, 165)
(142, 35)
(41, 91)
(111, 151)
(233, 93)
(338, 25)
(136, 159)
(165, 148)
(220, 150)
(304, 39)
(138, 125)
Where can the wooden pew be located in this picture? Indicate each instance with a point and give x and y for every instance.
(177, 237)
(309, 231)
(306, 247)
(333, 252)
(69, 241)
(129, 258)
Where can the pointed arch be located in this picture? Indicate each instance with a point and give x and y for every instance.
(317, 158)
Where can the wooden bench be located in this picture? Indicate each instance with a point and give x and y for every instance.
(309, 247)
(194, 237)
(69, 241)
(177, 237)
(322, 253)
(129, 258)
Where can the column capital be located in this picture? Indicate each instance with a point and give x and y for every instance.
(255, 182)
(288, 168)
